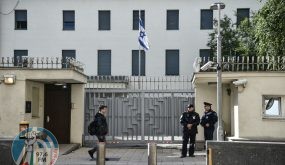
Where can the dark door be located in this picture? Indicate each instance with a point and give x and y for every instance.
(57, 111)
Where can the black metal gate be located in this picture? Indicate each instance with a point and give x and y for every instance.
(138, 115)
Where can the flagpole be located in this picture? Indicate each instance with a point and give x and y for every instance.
(139, 52)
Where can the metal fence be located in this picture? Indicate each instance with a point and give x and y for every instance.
(249, 63)
(41, 63)
(138, 113)
(162, 83)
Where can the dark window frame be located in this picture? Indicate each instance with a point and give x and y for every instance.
(201, 20)
(167, 70)
(20, 62)
(209, 52)
(135, 62)
(64, 64)
(239, 20)
(99, 72)
(66, 25)
(100, 26)
(21, 25)
(168, 21)
(136, 18)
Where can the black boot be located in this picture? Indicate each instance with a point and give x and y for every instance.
(91, 153)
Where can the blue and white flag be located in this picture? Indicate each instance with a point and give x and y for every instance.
(143, 40)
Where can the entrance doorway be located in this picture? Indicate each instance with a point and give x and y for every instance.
(57, 111)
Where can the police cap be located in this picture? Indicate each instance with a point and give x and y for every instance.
(208, 104)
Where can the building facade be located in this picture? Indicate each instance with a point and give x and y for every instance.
(42, 95)
(252, 94)
(103, 34)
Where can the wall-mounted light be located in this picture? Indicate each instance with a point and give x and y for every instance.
(9, 79)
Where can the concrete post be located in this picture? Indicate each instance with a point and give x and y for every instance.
(152, 156)
(101, 152)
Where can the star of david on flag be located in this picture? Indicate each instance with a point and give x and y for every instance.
(143, 40)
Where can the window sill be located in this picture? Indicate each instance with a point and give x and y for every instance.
(36, 117)
(169, 75)
(273, 118)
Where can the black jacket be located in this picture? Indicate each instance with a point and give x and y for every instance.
(209, 117)
(101, 124)
(190, 118)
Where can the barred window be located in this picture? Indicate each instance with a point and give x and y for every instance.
(20, 19)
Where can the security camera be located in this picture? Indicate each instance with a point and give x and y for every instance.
(207, 66)
(240, 82)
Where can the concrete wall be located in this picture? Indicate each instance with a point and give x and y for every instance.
(251, 107)
(39, 120)
(226, 109)
(207, 93)
(251, 123)
(12, 107)
(241, 153)
(45, 36)
(203, 92)
(13, 98)
(234, 112)
(77, 113)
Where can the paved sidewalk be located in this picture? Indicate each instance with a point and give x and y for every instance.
(126, 156)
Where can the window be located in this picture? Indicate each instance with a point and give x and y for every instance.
(136, 19)
(67, 54)
(35, 102)
(104, 20)
(172, 62)
(135, 63)
(241, 15)
(206, 19)
(205, 53)
(18, 57)
(172, 20)
(68, 20)
(104, 62)
(272, 106)
(21, 19)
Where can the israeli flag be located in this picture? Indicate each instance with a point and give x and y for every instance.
(143, 40)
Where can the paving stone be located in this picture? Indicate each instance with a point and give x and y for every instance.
(124, 156)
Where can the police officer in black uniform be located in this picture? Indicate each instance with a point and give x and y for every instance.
(189, 120)
(208, 121)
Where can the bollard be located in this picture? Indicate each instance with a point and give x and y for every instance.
(101, 152)
(210, 159)
(152, 157)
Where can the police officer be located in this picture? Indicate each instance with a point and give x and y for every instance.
(189, 120)
(208, 121)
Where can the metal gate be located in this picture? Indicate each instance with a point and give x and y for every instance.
(138, 115)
